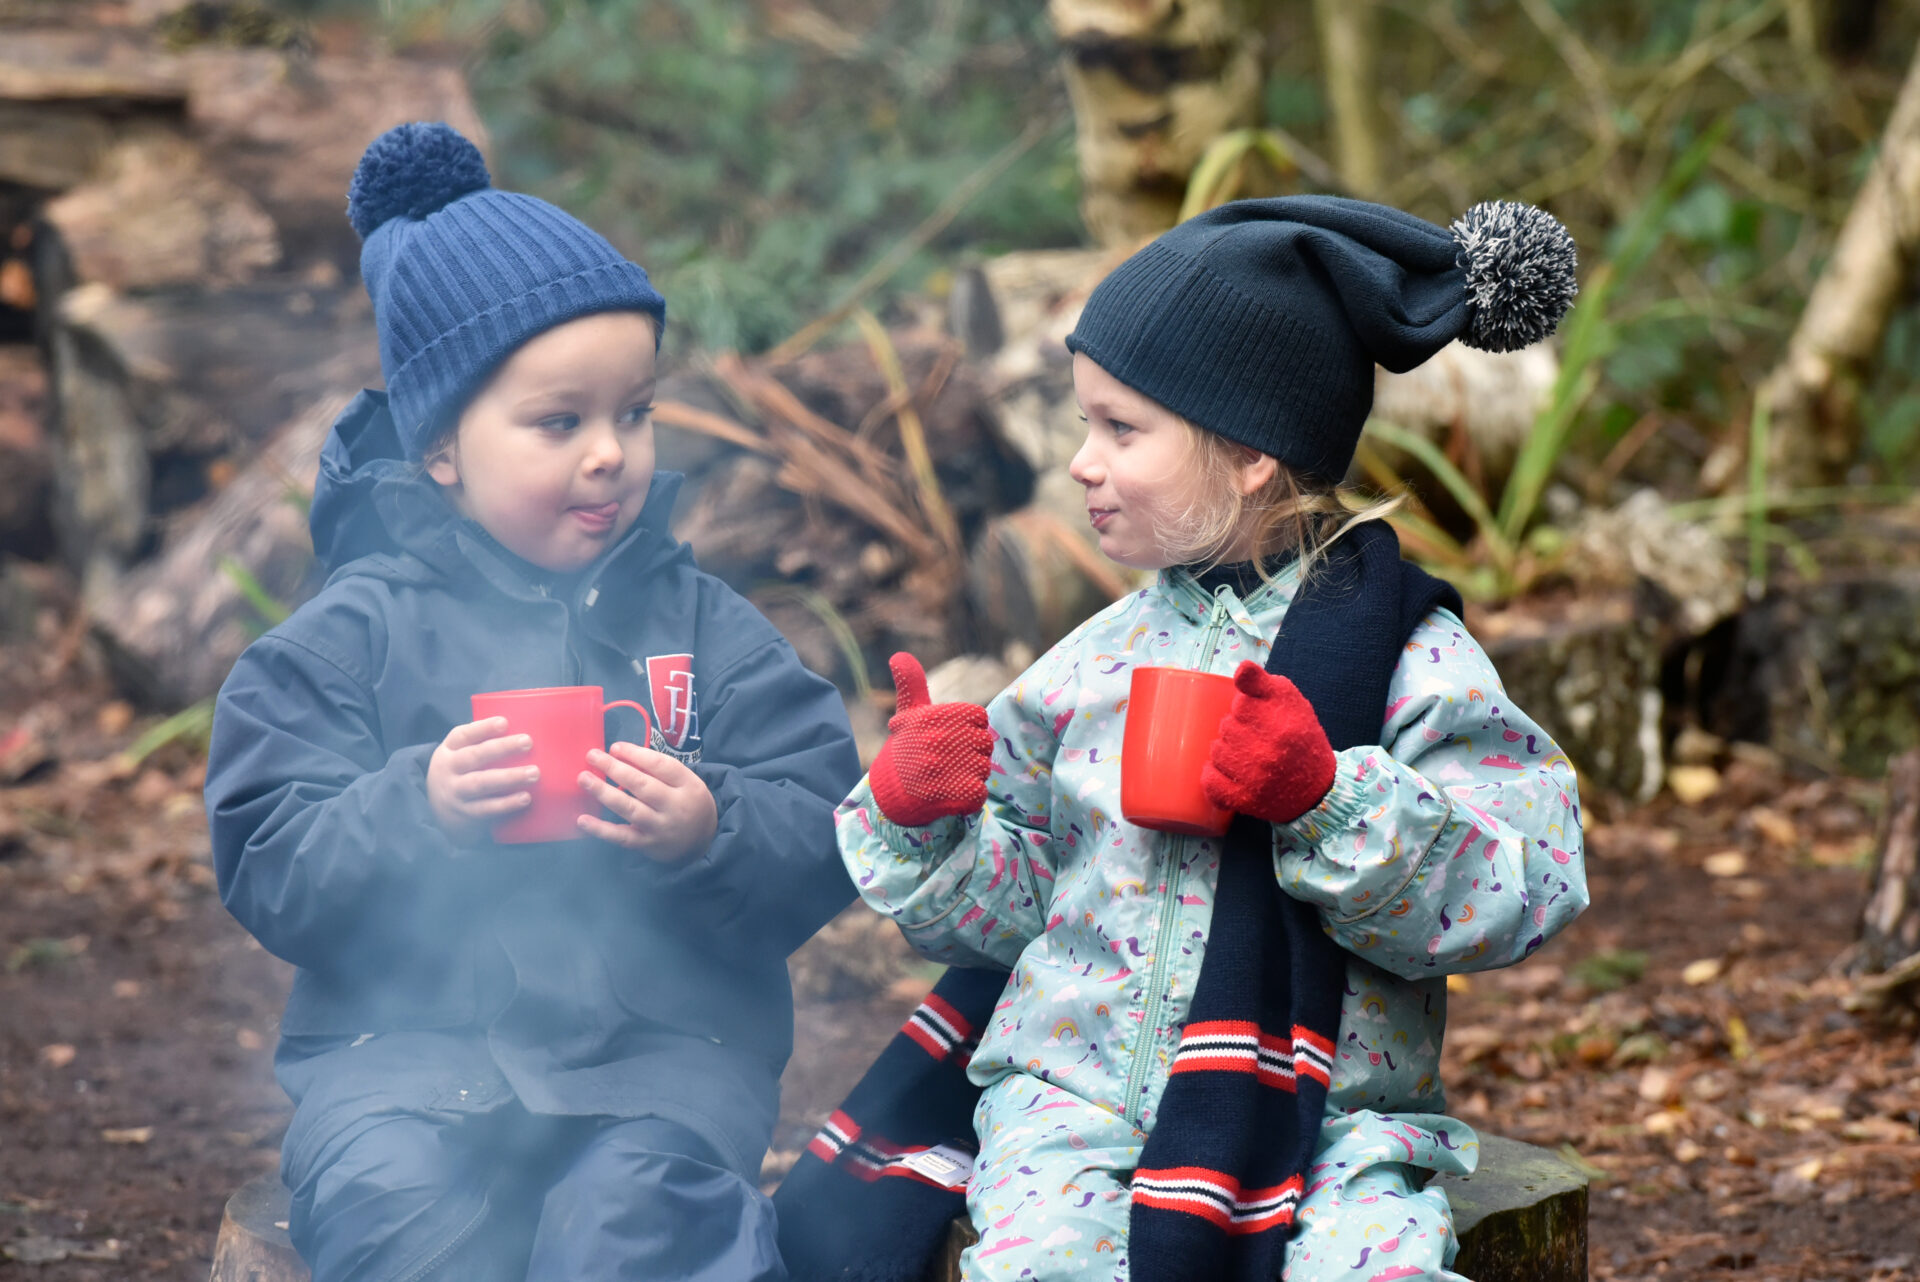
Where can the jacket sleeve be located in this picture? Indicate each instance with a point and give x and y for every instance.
(776, 752)
(324, 846)
(974, 890)
(1457, 846)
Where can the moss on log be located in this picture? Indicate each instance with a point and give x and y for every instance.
(1522, 1217)
(1827, 672)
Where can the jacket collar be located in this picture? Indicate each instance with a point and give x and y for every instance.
(369, 499)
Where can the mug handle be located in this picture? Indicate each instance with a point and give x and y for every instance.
(647, 739)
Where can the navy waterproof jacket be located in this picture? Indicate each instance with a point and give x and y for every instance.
(563, 957)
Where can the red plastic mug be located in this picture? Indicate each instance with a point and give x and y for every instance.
(565, 723)
(1173, 717)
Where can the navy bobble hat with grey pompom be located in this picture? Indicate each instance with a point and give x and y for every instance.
(461, 274)
(1262, 320)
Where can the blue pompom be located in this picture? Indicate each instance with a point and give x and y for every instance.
(412, 169)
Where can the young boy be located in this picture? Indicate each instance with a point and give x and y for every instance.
(548, 1061)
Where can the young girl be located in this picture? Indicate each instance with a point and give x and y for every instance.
(553, 1061)
(1218, 1057)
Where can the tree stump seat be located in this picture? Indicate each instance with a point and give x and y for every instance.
(1522, 1217)
(253, 1245)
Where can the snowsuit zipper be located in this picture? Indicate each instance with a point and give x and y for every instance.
(1169, 914)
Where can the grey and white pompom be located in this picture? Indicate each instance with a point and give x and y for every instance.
(1519, 263)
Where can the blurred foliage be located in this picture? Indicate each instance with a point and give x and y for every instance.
(1588, 108)
(757, 155)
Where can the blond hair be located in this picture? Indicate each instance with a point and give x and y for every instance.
(1289, 513)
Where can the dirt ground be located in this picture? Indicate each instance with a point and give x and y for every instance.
(1685, 1039)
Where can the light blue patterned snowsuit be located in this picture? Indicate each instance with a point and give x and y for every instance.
(1454, 847)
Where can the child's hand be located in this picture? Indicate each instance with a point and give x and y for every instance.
(668, 810)
(937, 760)
(466, 788)
(1272, 759)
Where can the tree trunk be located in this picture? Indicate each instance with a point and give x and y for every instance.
(1890, 926)
(1348, 45)
(1152, 82)
(1814, 391)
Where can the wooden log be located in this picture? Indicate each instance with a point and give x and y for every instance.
(1152, 83)
(253, 1245)
(289, 130)
(50, 147)
(102, 473)
(1521, 1217)
(102, 68)
(173, 626)
(1890, 923)
(1824, 672)
(1034, 575)
(1588, 669)
(26, 459)
(150, 392)
(155, 214)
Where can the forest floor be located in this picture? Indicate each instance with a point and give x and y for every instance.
(1685, 1039)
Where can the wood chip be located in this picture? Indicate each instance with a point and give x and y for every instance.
(127, 1135)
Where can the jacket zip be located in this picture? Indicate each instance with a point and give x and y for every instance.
(571, 671)
(433, 1263)
(1169, 914)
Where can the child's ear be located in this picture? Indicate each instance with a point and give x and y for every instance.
(443, 465)
(1256, 469)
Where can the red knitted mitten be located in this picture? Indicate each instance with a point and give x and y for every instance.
(936, 762)
(1272, 759)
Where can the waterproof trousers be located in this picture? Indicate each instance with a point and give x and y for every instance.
(507, 1195)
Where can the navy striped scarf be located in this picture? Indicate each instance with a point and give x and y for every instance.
(1223, 1170)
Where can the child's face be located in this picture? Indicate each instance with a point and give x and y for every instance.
(1137, 465)
(554, 455)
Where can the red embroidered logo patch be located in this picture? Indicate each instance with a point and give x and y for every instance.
(670, 677)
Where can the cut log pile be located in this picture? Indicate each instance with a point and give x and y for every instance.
(175, 228)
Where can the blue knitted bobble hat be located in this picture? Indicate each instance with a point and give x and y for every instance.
(461, 274)
(1262, 320)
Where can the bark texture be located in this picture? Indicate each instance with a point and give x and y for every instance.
(1814, 391)
(1890, 926)
(1152, 83)
(1348, 43)
(253, 1245)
